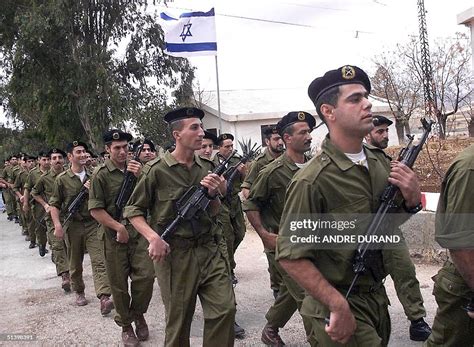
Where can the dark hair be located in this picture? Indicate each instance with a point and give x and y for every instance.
(328, 97)
(288, 130)
(176, 126)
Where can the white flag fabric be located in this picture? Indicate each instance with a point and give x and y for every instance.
(192, 34)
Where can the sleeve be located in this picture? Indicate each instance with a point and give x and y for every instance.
(259, 193)
(17, 183)
(29, 182)
(38, 188)
(142, 198)
(57, 197)
(96, 192)
(251, 176)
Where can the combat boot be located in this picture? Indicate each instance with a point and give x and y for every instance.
(128, 337)
(42, 250)
(141, 328)
(419, 330)
(32, 245)
(66, 282)
(239, 332)
(81, 299)
(106, 304)
(270, 337)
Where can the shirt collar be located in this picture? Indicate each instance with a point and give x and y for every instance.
(171, 161)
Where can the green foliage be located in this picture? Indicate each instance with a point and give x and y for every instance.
(74, 68)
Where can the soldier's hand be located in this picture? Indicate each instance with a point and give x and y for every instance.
(342, 324)
(405, 179)
(158, 249)
(22, 199)
(470, 314)
(269, 241)
(59, 232)
(47, 208)
(242, 169)
(122, 234)
(25, 207)
(134, 167)
(212, 182)
(87, 184)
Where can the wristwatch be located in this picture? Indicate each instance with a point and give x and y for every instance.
(413, 210)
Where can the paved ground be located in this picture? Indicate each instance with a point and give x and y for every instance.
(34, 305)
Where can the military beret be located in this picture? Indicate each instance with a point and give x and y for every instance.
(116, 135)
(270, 129)
(74, 144)
(223, 137)
(347, 74)
(379, 120)
(56, 151)
(183, 113)
(295, 117)
(170, 146)
(210, 136)
(146, 142)
(28, 157)
(43, 154)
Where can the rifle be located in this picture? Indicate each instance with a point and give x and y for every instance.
(127, 186)
(366, 259)
(231, 173)
(195, 199)
(76, 203)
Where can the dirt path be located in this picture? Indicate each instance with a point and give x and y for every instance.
(34, 305)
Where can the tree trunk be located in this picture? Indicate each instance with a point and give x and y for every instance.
(441, 126)
(470, 127)
(407, 127)
(400, 131)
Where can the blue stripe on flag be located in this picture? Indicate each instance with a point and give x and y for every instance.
(191, 47)
(210, 13)
(164, 16)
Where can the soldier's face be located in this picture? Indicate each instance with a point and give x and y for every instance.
(275, 143)
(191, 134)
(378, 136)
(146, 155)
(352, 114)
(206, 148)
(88, 159)
(30, 163)
(14, 161)
(78, 156)
(44, 163)
(226, 148)
(300, 141)
(57, 161)
(118, 151)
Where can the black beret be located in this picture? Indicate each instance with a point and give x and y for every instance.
(170, 146)
(116, 135)
(183, 113)
(210, 136)
(223, 137)
(73, 144)
(295, 117)
(270, 129)
(43, 154)
(56, 150)
(379, 120)
(146, 142)
(27, 157)
(347, 74)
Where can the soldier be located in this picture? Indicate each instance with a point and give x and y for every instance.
(191, 264)
(397, 261)
(345, 178)
(147, 151)
(454, 284)
(6, 191)
(264, 207)
(125, 250)
(10, 175)
(81, 231)
(39, 230)
(27, 163)
(274, 148)
(231, 216)
(42, 193)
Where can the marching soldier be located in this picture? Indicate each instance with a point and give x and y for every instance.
(191, 263)
(147, 151)
(126, 254)
(264, 207)
(11, 176)
(81, 231)
(8, 199)
(207, 147)
(231, 216)
(42, 193)
(27, 162)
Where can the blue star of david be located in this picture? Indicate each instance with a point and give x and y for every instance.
(186, 31)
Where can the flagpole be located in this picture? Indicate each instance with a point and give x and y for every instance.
(218, 98)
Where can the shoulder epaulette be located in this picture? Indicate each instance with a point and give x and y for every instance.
(147, 167)
(377, 150)
(61, 174)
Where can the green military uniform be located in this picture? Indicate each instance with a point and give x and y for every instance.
(454, 230)
(195, 266)
(267, 196)
(20, 181)
(257, 165)
(36, 210)
(8, 199)
(81, 233)
(44, 188)
(231, 215)
(123, 260)
(332, 184)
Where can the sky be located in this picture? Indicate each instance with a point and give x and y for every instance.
(258, 53)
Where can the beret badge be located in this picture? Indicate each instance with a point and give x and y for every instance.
(348, 72)
(115, 136)
(75, 143)
(301, 116)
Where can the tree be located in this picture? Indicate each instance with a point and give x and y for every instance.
(77, 67)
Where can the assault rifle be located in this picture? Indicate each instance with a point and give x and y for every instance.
(127, 186)
(195, 199)
(76, 203)
(366, 258)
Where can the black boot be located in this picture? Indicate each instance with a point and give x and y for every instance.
(419, 330)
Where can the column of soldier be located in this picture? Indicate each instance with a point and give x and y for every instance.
(195, 256)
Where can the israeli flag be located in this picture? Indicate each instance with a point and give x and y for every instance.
(192, 34)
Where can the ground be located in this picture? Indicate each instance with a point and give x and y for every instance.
(34, 305)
